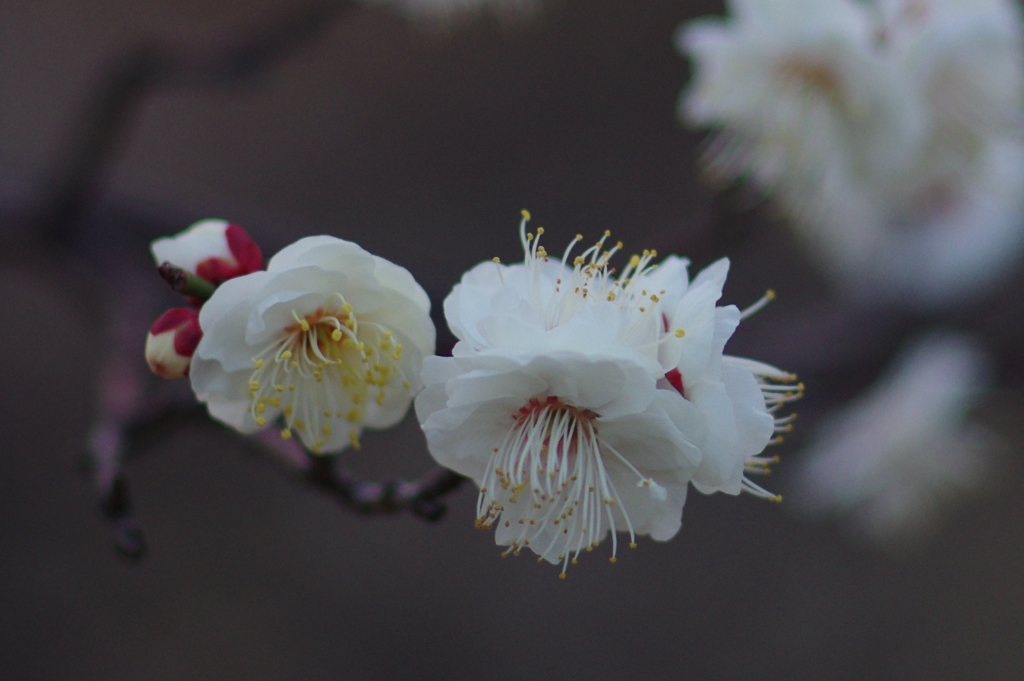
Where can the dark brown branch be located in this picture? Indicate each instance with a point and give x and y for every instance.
(117, 507)
(79, 172)
(419, 497)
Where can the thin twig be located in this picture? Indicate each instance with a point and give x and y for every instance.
(418, 497)
(82, 168)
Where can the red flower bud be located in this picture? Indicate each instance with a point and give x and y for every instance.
(171, 341)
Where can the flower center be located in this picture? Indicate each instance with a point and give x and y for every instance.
(324, 368)
(813, 75)
(547, 483)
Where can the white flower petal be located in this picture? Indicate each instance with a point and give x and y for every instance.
(318, 340)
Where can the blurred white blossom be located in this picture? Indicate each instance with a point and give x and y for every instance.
(329, 337)
(453, 9)
(893, 458)
(582, 403)
(889, 130)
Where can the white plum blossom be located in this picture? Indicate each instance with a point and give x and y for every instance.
(330, 338)
(216, 250)
(955, 223)
(736, 397)
(893, 458)
(890, 131)
(800, 102)
(583, 403)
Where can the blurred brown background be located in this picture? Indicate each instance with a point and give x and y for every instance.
(422, 145)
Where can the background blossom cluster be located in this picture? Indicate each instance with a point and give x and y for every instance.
(889, 130)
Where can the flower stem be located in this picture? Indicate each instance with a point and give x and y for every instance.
(185, 282)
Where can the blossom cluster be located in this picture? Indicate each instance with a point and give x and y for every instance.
(581, 400)
(584, 403)
(326, 340)
(212, 251)
(889, 130)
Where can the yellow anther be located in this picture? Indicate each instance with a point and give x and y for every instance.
(525, 213)
(769, 294)
(405, 384)
(634, 260)
(279, 388)
(346, 308)
(254, 385)
(352, 416)
(607, 232)
(611, 295)
(259, 364)
(286, 434)
(561, 575)
(287, 354)
(655, 298)
(299, 424)
(618, 244)
(496, 259)
(380, 397)
(327, 429)
(261, 407)
(275, 401)
(353, 436)
(318, 376)
(612, 559)
(291, 388)
(336, 335)
(260, 421)
(529, 236)
(287, 411)
(632, 545)
(304, 324)
(579, 237)
(680, 333)
(318, 444)
(327, 413)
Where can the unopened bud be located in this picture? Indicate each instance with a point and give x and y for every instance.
(216, 250)
(171, 341)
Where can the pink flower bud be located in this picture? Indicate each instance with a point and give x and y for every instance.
(171, 341)
(216, 250)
